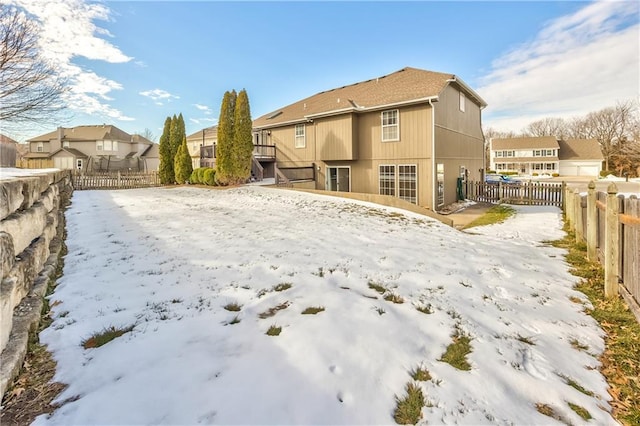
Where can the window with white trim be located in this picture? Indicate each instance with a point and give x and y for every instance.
(107, 146)
(65, 144)
(40, 147)
(463, 101)
(115, 145)
(408, 182)
(99, 146)
(300, 141)
(387, 179)
(498, 153)
(390, 125)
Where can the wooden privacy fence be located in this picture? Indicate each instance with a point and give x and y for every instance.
(115, 180)
(523, 193)
(610, 225)
(34, 163)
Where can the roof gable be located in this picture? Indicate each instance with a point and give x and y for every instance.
(86, 133)
(580, 149)
(403, 86)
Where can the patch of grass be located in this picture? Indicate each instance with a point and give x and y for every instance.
(320, 273)
(575, 299)
(496, 214)
(395, 298)
(576, 385)
(581, 411)
(379, 310)
(282, 286)
(235, 320)
(377, 287)
(409, 409)
(274, 330)
(426, 309)
(526, 340)
(575, 344)
(621, 358)
(457, 351)
(312, 310)
(176, 300)
(420, 374)
(232, 307)
(105, 336)
(546, 410)
(272, 311)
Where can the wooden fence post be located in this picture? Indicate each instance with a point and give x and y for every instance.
(579, 218)
(611, 248)
(568, 206)
(592, 223)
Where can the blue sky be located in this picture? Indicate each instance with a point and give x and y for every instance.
(134, 63)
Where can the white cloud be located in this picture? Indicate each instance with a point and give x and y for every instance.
(195, 121)
(203, 108)
(577, 63)
(157, 95)
(66, 31)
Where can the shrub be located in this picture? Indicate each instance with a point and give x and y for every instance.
(555, 174)
(194, 177)
(604, 173)
(534, 174)
(210, 177)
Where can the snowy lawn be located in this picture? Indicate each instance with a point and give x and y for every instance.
(167, 261)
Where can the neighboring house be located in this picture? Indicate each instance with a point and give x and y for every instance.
(8, 151)
(580, 157)
(546, 154)
(95, 148)
(202, 138)
(410, 134)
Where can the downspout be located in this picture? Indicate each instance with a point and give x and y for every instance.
(434, 184)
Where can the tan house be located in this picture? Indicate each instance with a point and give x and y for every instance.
(206, 137)
(410, 134)
(8, 151)
(546, 155)
(95, 148)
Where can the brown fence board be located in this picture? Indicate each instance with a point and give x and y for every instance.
(111, 180)
(528, 193)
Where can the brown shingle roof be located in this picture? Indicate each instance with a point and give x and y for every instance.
(580, 149)
(406, 85)
(209, 132)
(549, 142)
(86, 133)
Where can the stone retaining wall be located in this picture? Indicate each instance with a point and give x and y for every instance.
(31, 240)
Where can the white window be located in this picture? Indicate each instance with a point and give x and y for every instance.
(98, 145)
(498, 153)
(300, 139)
(115, 145)
(40, 147)
(408, 183)
(107, 146)
(550, 152)
(387, 180)
(65, 144)
(463, 100)
(510, 153)
(390, 126)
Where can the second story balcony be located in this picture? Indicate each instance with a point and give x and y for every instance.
(260, 152)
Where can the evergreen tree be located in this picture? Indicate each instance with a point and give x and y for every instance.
(174, 138)
(224, 149)
(182, 163)
(165, 170)
(242, 139)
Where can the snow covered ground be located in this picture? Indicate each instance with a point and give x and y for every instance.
(167, 260)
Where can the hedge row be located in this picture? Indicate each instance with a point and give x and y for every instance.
(204, 176)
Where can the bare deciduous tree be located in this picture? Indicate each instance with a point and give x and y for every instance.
(548, 127)
(30, 87)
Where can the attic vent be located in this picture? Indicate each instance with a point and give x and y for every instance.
(338, 100)
(274, 115)
(304, 106)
